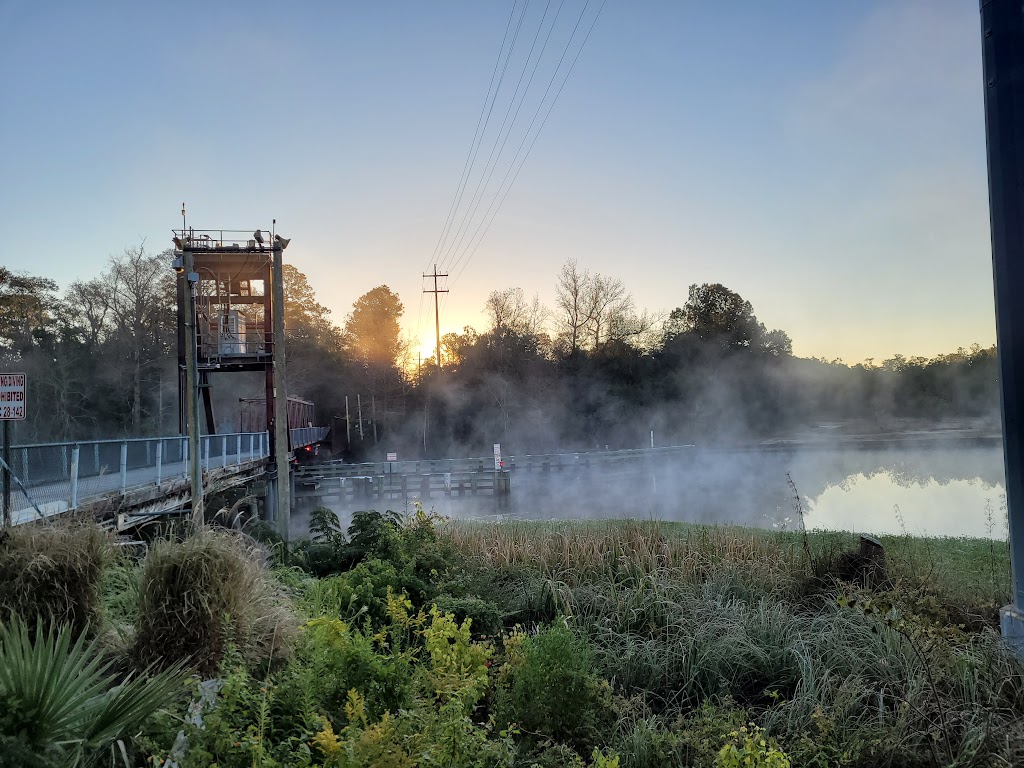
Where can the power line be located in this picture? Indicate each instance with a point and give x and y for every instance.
(500, 197)
(489, 168)
(478, 134)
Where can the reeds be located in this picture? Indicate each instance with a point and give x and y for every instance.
(200, 596)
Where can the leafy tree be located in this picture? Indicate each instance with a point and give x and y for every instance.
(26, 307)
(372, 330)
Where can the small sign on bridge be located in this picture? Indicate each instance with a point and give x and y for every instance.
(12, 396)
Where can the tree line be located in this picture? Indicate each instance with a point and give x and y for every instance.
(592, 371)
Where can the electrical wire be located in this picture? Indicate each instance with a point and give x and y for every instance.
(499, 144)
(500, 197)
(478, 135)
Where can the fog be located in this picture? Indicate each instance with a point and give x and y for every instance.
(946, 488)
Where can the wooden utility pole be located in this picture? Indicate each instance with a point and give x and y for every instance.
(348, 427)
(437, 313)
(281, 399)
(195, 467)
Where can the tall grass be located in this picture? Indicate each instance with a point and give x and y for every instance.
(681, 615)
(50, 574)
(200, 596)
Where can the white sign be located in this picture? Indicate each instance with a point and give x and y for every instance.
(497, 456)
(392, 457)
(12, 396)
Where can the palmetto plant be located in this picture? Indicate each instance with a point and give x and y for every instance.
(60, 704)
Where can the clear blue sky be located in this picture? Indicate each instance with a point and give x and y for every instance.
(825, 160)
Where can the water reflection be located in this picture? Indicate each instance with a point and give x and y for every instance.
(950, 491)
(956, 492)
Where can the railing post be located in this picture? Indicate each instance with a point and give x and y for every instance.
(238, 449)
(206, 454)
(159, 460)
(252, 446)
(74, 478)
(124, 466)
(224, 451)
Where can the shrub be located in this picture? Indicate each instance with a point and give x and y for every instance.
(553, 691)
(485, 615)
(204, 593)
(51, 574)
(60, 703)
(749, 747)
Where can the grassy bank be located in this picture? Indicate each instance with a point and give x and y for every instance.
(423, 642)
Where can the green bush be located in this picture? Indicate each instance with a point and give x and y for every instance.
(553, 692)
(749, 747)
(485, 615)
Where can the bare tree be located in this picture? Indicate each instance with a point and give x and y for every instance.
(140, 290)
(89, 303)
(508, 312)
(571, 298)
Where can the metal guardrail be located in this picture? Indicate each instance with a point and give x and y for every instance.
(307, 436)
(60, 476)
(525, 462)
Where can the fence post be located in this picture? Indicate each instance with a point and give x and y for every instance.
(124, 466)
(206, 454)
(252, 446)
(184, 458)
(224, 451)
(238, 449)
(159, 460)
(96, 457)
(149, 447)
(74, 477)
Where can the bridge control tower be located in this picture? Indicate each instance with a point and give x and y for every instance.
(230, 301)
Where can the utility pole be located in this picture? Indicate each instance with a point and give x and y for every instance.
(283, 444)
(1002, 31)
(195, 469)
(359, 411)
(348, 427)
(437, 314)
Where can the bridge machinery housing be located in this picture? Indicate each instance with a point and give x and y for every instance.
(230, 306)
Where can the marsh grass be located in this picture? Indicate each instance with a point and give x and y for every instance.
(683, 615)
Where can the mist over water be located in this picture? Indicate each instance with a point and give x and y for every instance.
(952, 490)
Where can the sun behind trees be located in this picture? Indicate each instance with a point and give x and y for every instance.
(594, 370)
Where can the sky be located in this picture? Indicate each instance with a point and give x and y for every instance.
(824, 160)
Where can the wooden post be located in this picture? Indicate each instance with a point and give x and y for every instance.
(280, 399)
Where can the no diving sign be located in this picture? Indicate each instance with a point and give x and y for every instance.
(12, 396)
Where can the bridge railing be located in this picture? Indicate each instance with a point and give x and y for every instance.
(307, 436)
(514, 463)
(60, 476)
